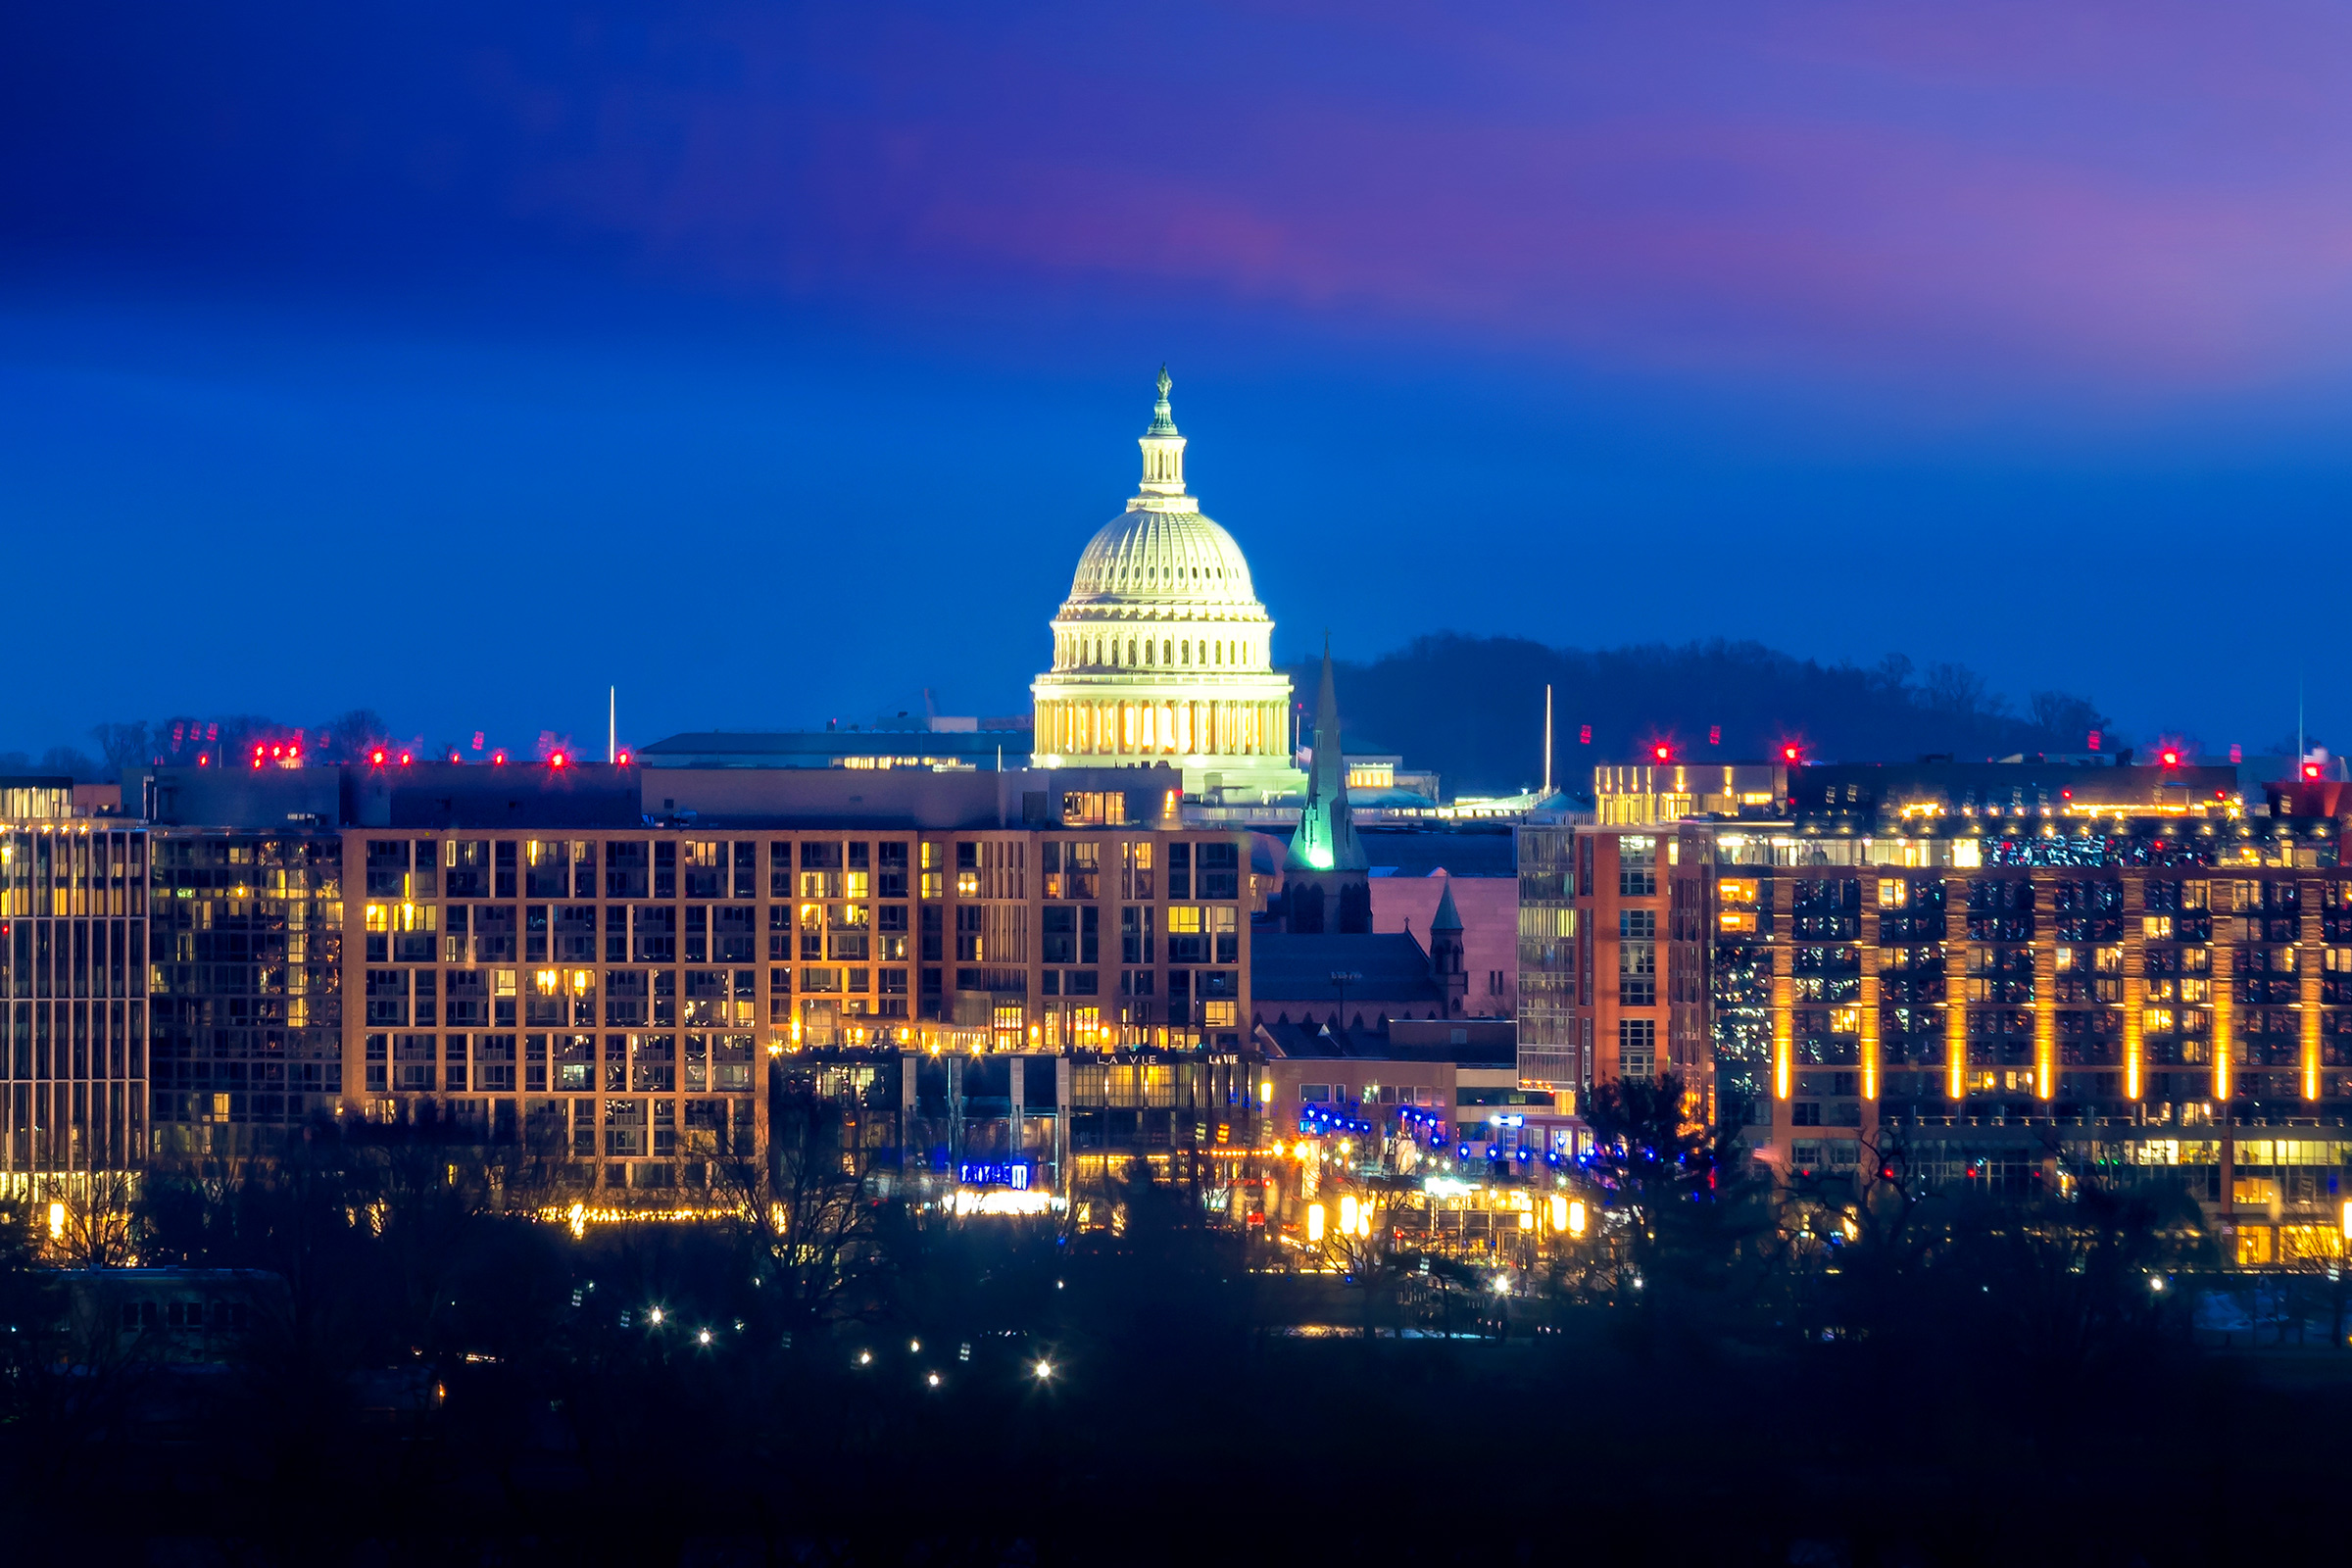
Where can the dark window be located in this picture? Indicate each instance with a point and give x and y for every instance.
(653, 935)
(1058, 933)
(626, 869)
(734, 933)
(467, 869)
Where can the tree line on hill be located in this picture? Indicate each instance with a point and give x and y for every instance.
(186, 738)
(1472, 707)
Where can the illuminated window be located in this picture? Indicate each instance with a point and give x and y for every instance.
(1637, 1048)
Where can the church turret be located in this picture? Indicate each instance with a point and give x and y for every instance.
(1445, 954)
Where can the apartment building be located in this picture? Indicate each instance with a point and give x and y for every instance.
(2017, 973)
(598, 962)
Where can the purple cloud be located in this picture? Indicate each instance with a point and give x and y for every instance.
(2149, 197)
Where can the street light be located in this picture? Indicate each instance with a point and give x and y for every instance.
(1343, 978)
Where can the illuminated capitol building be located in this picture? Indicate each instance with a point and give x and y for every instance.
(1163, 653)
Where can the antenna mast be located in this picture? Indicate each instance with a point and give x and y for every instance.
(612, 724)
(1547, 740)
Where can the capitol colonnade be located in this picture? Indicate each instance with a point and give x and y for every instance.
(1092, 727)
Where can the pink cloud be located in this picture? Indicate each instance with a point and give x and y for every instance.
(2148, 196)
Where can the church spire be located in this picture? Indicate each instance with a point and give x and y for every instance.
(1164, 448)
(1326, 839)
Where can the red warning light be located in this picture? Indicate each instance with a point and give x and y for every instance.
(1662, 752)
(555, 761)
(404, 759)
(1584, 734)
(498, 759)
(376, 757)
(624, 758)
(1789, 754)
(2171, 757)
(1714, 734)
(2311, 770)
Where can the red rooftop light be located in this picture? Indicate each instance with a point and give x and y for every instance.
(624, 758)
(555, 761)
(2311, 770)
(2170, 757)
(498, 759)
(376, 757)
(1662, 752)
(403, 758)
(1789, 754)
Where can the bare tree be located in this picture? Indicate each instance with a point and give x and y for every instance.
(123, 745)
(2069, 720)
(1956, 689)
(92, 1220)
(806, 1205)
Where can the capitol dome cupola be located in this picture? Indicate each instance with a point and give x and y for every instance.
(1163, 447)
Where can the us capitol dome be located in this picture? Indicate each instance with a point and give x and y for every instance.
(1163, 653)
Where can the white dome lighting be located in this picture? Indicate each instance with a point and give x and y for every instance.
(1163, 653)
(1170, 559)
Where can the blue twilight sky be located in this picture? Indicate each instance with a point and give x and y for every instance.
(774, 361)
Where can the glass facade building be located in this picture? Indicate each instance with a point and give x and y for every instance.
(72, 973)
(1552, 1051)
(246, 985)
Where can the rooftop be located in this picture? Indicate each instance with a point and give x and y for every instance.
(1383, 966)
(838, 748)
